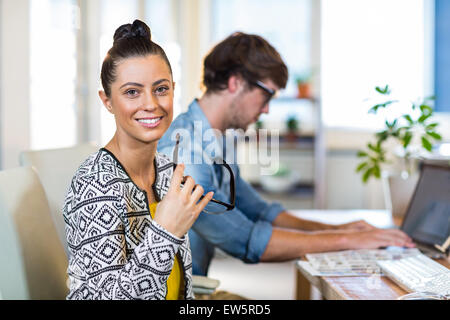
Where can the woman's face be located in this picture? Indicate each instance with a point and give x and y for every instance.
(141, 98)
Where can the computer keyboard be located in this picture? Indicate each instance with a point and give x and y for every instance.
(356, 262)
(418, 274)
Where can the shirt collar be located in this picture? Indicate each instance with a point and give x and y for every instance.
(163, 173)
(197, 114)
(200, 120)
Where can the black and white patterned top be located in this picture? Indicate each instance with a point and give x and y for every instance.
(116, 250)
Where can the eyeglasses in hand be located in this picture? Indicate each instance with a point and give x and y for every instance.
(214, 206)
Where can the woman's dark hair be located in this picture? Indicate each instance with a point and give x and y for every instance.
(130, 40)
(247, 55)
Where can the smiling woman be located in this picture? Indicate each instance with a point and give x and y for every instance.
(144, 102)
(126, 215)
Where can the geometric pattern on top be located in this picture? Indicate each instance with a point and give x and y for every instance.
(116, 250)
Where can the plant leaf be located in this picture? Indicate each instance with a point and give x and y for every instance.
(423, 118)
(373, 148)
(385, 91)
(431, 126)
(435, 135)
(407, 139)
(426, 109)
(408, 118)
(377, 171)
(382, 136)
(361, 166)
(426, 144)
(375, 108)
(361, 154)
(367, 175)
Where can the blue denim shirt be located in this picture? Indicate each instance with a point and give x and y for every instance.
(242, 232)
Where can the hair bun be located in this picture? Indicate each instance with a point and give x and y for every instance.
(137, 29)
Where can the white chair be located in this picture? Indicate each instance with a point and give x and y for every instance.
(55, 168)
(34, 265)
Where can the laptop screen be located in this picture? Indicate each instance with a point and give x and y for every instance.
(428, 217)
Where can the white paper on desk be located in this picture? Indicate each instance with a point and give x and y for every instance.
(307, 267)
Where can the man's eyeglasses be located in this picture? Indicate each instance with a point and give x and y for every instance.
(270, 93)
(214, 206)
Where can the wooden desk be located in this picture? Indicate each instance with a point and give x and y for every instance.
(349, 288)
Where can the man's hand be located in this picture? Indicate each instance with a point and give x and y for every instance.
(359, 225)
(377, 238)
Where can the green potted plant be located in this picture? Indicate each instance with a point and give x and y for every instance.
(258, 126)
(411, 134)
(292, 125)
(304, 88)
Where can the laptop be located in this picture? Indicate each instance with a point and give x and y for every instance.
(427, 220)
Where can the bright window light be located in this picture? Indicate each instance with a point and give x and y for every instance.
(369, 43)
(157, 13)
(114, 13)
(160, 16)
(286, 24)
(53, 26)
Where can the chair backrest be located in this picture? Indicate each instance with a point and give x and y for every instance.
(55, 168)
(34, 265)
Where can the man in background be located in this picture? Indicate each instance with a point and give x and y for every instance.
(241, 74)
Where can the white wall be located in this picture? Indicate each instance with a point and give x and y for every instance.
(344, 187)
(14, 81)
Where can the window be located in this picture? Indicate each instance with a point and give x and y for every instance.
(159, 16)
(114, 13)
(366, 44)
(286, 24)
(53, 29)
(442, 55)
(273, 20)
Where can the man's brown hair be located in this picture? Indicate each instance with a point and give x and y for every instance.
(247, 55)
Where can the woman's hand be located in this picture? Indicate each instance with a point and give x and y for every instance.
(180, 207)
